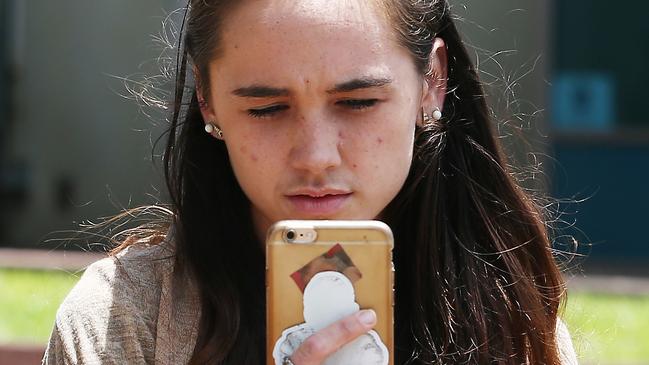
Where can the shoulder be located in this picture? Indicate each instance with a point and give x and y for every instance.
(130, 279)
(564, 344)
(112, 311)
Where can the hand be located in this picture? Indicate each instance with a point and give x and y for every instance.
(317, 347)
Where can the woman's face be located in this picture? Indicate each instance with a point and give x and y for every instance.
(318, 105)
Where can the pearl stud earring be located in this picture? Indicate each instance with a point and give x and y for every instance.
(437, 114)
(427, 119)
(212, 128)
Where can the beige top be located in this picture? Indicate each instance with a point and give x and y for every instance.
(132, 309)
(121, 312)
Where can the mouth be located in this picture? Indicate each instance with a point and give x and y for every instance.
(318, 203)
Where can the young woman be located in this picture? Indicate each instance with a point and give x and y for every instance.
(326, 109)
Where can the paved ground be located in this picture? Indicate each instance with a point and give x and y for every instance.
(20, 355)
(612, 284)
(44, 259)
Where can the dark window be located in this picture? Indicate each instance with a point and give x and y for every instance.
(600, 72)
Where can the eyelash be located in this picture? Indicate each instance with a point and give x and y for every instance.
(359, 104)
(266, 112)
(355, 104)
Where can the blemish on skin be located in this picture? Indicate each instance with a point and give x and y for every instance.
(244, 151)
(379, 140)
(340, 134)
(354, 165)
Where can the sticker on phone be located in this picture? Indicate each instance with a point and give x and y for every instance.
(328, 295)
(336, 259)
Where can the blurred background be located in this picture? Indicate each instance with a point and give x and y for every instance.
(566, 80)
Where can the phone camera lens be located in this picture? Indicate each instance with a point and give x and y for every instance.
(290, 235)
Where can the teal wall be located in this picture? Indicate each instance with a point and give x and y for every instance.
(600, 125)
(613, 182)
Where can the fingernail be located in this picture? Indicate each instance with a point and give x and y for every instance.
(367, 317)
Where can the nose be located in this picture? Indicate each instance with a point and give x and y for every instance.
(316, 145)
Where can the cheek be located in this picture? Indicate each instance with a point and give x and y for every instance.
(259, 157)
(252, 156)
(390, 139)
(387, 151)
(251, 162)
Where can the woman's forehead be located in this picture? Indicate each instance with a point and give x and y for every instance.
(285, 19)
(311, 12)
(338, 35)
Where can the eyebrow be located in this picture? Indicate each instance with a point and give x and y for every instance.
(261, 91)
(360, 83)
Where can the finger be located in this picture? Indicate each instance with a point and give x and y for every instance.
(316, 348)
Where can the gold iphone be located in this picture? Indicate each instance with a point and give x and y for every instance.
(320, 271)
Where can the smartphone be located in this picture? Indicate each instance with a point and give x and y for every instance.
(318, 271)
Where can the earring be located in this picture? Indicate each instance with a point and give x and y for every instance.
(437, 114)
(425, 117)
(211, 127)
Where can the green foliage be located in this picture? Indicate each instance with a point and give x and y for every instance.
(606, 329)
(609, 329)
(28, 303)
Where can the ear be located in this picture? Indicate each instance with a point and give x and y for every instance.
(434, 88)
(206, 106)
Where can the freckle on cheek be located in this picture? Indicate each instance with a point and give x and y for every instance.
(355, 165)
(254, 158)
(379, 140)
(340, 135)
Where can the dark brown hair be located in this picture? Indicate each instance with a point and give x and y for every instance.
(476, 281)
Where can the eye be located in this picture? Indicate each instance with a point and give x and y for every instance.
(358, 104)
(267, 112)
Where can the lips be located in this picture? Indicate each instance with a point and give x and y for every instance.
(318, 203)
